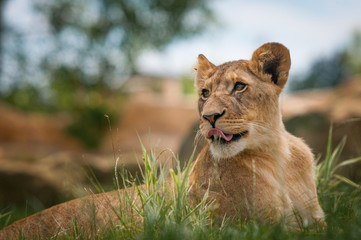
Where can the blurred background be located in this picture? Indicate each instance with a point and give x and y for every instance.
(81, 81)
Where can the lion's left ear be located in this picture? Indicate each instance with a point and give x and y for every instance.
(272, 62)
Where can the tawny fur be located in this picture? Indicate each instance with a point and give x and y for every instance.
(267, 174)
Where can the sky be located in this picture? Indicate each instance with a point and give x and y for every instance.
(310, 29)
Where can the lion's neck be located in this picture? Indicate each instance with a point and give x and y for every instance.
(270, 138)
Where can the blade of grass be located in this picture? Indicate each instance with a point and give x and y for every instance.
(347, 163)
(346, 180)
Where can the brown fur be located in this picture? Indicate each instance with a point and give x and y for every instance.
(267, 174)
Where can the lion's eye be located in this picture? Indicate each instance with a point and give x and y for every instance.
(239, 86)
(205, 93)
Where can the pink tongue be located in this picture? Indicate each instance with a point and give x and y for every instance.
(219, 133)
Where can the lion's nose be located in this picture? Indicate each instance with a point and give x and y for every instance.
(212, 117)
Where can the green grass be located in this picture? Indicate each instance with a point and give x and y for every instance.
(169, 216)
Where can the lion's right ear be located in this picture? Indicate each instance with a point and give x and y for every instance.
(204, 70)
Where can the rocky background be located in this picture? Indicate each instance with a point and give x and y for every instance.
(41, 163)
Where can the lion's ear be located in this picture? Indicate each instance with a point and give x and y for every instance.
(272, 61)
(204, 70)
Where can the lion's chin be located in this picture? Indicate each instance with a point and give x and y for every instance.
(228, 150)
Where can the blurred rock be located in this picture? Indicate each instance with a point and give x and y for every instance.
(28, 133)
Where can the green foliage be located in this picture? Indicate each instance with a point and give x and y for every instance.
(100, 38)
(353, 53)
(89, 125)
(188, 85)
(67, 87)
(25, 97)
(122, 27)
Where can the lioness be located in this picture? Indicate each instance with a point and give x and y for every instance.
(251, 165)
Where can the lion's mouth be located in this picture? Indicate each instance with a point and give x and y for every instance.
(218, 136)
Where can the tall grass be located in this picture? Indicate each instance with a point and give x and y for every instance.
(326, 171)
(165, 212)
(165, 209)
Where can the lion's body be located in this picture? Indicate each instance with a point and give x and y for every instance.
(252, 185)
(251, 166)
(91, 214)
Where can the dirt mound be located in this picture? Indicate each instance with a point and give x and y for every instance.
(24, 133)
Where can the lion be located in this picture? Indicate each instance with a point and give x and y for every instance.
(250, 168)
(251, 165)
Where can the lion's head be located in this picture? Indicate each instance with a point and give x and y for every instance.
(239, 101)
